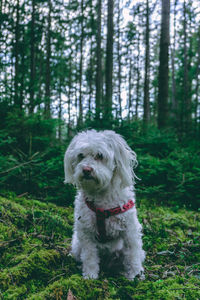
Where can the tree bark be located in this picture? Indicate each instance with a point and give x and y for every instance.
(109, 62)
(187, 105)
(16, 54)
(80, 115)
(163, 76)
(48, 75)
(32, 61)
(197, 84)
(99, 63)
(146, 106)
(130, 89)
(174, 100)
(119, 61)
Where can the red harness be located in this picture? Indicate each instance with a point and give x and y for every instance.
(102, 214)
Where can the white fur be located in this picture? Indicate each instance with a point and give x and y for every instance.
(109, 185)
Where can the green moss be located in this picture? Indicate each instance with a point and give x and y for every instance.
(83, 289)
(37, 265)
(15, 292)
(35, 262)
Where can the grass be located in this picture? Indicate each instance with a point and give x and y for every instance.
(35, 262)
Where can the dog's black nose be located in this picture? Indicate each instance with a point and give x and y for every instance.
(87, 170)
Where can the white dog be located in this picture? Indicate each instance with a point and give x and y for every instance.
(101, 165)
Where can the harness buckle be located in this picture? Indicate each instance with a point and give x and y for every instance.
(100, 212)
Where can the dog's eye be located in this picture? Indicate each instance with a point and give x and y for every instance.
(99, 156)
(80, 156)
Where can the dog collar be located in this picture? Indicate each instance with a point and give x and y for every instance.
(102, 214)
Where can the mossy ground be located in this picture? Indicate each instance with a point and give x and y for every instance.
(35, 262)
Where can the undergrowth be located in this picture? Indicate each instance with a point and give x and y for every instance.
(35, 262)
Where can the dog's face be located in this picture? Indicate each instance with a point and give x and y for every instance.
(94, 159)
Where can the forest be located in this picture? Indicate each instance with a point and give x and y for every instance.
(71, 65)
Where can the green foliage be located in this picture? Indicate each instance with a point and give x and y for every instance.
(169, 171)
(173, 179)
(35, 262)
(31, 159)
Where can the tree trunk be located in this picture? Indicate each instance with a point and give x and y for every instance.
(32, 61)
(16, 54)
(138, 78)
(163, 76)
(48, 75)
(69, 95)
(146, 115)
(99, 64)
(119, 61)
(60, 112)
(109, 62)
(80, 115)
(197, 85)
(174, 100)
(91, 72)
(130, 89)
(22, 70)
(187, 107)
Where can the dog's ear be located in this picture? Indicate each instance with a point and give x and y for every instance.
(68, 168)
(125, 158)
(68, 163)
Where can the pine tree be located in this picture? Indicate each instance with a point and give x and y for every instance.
(146, 114)
(109, 62)
(163, 77)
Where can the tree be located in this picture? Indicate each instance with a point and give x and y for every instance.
(186, 80)
(173, 52)
(146, 114)
(80, 116)
(119, 60)
(109, 63)
(17, 101)
(48, 69)
(32, 59)
(197, 117)
(163, 76)
(98, 63)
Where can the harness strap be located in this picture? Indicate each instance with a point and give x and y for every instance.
(102, 214)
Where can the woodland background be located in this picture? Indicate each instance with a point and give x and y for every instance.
(130, 66)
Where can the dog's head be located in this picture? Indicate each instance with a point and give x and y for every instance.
(94, 160)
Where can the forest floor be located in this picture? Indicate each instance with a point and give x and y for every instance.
(35, 262)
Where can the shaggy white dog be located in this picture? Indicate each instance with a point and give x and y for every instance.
(101, 165)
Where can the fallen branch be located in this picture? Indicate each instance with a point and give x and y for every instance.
(16, 167)
(22, 195)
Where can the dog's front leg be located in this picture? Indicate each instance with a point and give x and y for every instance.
(133, 256)
(90, 259)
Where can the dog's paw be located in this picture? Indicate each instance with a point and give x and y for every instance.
(141, 276)
(90, 275)
(133, 275)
